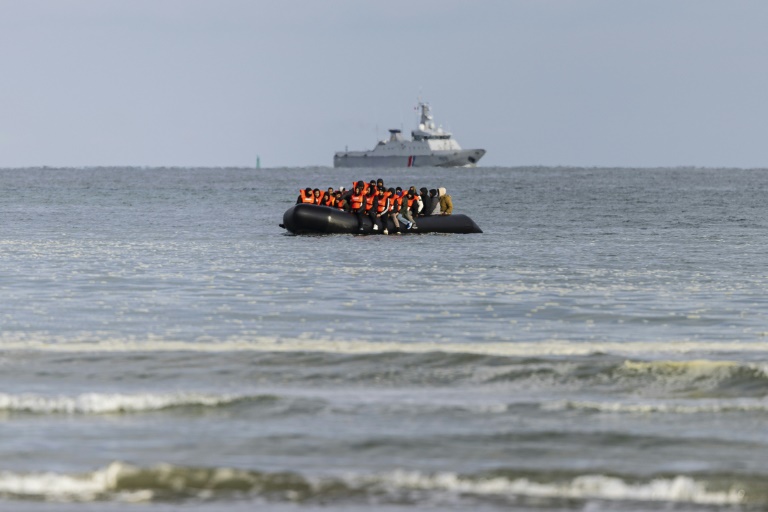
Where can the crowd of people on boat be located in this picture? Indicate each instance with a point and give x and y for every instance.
(380, 203)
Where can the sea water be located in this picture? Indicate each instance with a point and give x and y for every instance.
(165, 345)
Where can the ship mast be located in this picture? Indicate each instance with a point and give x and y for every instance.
(426, 115)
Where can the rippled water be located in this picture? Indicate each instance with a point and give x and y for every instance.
(601, 346)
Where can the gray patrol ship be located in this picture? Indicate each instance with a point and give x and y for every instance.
(430, 146)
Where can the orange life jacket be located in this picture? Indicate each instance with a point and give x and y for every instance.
(356, 201)
(307, 198)
(369, 201)
(381, 206)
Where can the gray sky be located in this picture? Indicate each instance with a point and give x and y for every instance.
(534, 82)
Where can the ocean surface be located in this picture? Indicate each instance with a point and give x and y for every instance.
(165, 345)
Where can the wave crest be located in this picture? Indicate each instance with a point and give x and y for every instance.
(120, 481)
(106, 403)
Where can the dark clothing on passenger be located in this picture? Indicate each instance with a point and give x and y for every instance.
(379, 220)
(429, 204)
(435, 203)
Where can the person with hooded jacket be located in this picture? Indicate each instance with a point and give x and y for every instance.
(305, 196)
(446, 203)
(357, 205)
(395, 201)
(426, 201)
(380, 211)
(435, 202)
(410, 204)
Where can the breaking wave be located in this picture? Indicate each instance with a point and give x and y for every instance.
(96, 342)
(698, 386)
(125, 482)
(671, 408)
(697, 378)
(106, 403)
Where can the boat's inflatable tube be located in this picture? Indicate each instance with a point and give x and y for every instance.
(304, 219)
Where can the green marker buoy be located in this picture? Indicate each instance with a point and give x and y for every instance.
(258, 162)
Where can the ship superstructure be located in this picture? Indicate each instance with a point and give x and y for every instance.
(429, 146)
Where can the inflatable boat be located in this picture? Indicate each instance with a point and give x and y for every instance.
(304, 219)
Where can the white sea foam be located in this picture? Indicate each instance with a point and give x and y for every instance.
(705, 407)
(676, 489)
(106, 403)
(82, 487)
(695, 369)
(255, 343)
(107, 484)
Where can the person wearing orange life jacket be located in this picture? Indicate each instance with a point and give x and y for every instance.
(416, 210)
(305, 196)
(380, 211)
(370, 199)
(357, 205)
(398, 207)
(411, 204)
(339, 201)
(395, 201)
(329, 199)
(342, 198)
(317, 196)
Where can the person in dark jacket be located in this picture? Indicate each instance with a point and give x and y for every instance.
(427, 202)
(408, 211)
(305, 196)
(370, 204)
(380, 211)
(435, 202)
(329, 198)
(340, 202)
(395, 200)
(357, 205)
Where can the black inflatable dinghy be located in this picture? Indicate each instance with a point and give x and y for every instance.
(302, 219)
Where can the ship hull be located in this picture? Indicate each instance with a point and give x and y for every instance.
(308, 219)
(365, 159)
